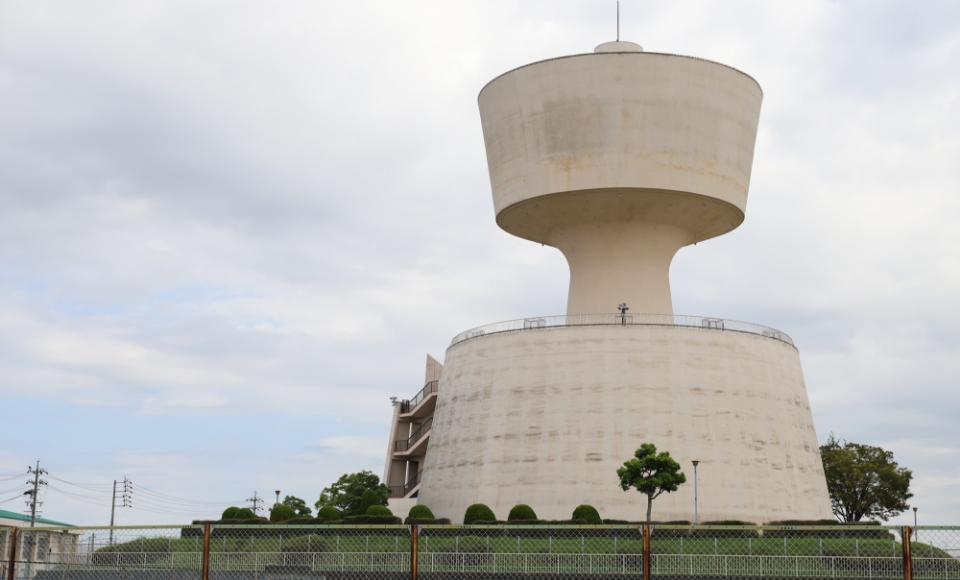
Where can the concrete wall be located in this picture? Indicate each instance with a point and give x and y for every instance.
(545, 417)
(619, 160)
(401, 506)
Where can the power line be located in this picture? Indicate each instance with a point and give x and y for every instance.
(13, 489)
(18, 496)
(89, 486)
(75, 494)
(175, 499)
(105, 494)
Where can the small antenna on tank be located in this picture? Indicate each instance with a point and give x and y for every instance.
(618, 20)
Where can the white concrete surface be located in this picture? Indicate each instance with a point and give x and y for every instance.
(401, 506)
(619, 159)
(545, 417)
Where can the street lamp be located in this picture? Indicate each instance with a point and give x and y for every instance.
(278, 497)
(915, 524)
(696, 514)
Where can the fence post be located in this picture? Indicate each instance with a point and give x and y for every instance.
(13, 552)
(646, 552)
(205, 568)
(414, 535)
(905, 533)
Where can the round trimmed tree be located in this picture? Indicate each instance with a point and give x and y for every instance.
(378, 510)
(521, 512)
(587, 513)
(328, 513)
(478, 512)
(421, 511)
(282, 512)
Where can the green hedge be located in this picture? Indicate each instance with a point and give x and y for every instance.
(865, 533)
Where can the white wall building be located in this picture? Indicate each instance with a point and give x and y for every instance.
(619, 158)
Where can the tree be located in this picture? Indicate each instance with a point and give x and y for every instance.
(651, 473)
(864, 481)
(368, 500)
(230, 513)
(347, 492)
(281, 513)
(298, 505)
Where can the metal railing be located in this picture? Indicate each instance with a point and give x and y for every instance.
(404, 490)
(395, 552)
(405, 444)
(430, 388)
(561, 321)
(414, 482)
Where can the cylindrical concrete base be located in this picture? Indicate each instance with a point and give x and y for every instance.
(545, 417)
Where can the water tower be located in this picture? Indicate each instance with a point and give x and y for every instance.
(619, 158)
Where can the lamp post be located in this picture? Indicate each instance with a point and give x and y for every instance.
(696, 513)
(278, 497)
(915, 524)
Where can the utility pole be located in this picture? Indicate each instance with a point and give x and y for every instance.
(36, 483)
(127, 491)
(256, 502)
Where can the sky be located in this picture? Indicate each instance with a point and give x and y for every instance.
(231, 231)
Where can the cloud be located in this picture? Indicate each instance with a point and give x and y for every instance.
(229, 232)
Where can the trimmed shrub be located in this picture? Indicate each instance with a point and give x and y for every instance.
(245, 514)
(328, 513)
(521, 512)
(282, 513)
(369, 498)
(230, 513)
(420, 511)
(478, 511)
(588, 513)
(728, 523)
(378, 510)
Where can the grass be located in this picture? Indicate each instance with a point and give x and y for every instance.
(532, 550)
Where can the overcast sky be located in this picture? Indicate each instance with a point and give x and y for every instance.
(230, 231)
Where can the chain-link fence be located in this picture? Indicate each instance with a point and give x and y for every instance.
(436, 552)
(541, 551)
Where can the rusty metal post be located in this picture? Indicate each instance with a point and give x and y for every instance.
(646, 552)
(414, 548)
(13, 553)
(905, 533)
(205, 570)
